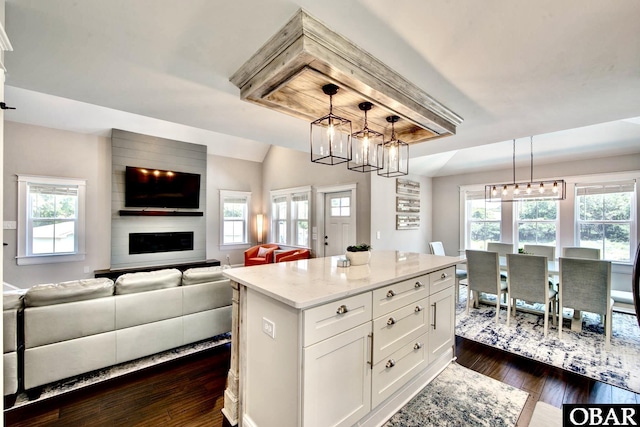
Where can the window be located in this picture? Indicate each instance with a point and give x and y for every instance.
(537, 222)
(300, 218)
(483, 220)
(51, 219)
(290, 216)
(235, 217)
(279, 215)
(605, 219)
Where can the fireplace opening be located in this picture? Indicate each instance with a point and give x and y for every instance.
(148, 243)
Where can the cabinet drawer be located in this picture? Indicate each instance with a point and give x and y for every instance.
(396, 295)
(335, 317)
(393, 372)
(441, 279)
(396, 329)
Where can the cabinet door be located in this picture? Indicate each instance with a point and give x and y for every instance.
(442, 322)
(337, 379)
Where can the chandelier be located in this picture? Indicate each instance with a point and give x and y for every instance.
(330, 135)
(366, 146)
(395, 154)
(332, 143)
(528, 190)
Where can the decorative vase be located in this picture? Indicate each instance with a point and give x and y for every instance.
(359, 258)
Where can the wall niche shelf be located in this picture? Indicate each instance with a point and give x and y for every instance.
(159, 213)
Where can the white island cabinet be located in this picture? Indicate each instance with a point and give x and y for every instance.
(316, 345)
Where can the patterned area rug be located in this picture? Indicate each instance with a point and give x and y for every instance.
(462, 397)
(579, 352)
(94, 377)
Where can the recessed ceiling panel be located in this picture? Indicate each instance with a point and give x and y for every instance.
(288, 72)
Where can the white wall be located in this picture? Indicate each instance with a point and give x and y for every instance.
(287, 168)
(224, 173)
(42, 151)
(447, 215)
(383, 216)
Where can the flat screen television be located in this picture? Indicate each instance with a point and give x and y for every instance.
(155, 188)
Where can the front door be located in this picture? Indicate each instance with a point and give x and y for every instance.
(339, 222)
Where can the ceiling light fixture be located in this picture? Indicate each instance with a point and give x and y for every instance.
(330, 135)
(395, 154)
(366, 146)
(534, 190)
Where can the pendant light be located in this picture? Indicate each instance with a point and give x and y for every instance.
(330, 135)
(395, 154)
(365, 146)
(531, 190)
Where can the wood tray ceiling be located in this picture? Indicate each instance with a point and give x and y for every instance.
(288, 72)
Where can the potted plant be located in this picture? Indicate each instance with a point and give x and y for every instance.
(359, 254)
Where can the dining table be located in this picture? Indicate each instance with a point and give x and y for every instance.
(553, 267)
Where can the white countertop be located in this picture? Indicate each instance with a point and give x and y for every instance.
(306, 283)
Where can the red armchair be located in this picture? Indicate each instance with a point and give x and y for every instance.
(260, 254)
(293, 255)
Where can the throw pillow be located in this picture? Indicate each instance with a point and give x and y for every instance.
(262, 252)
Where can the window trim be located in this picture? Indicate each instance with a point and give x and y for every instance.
(290, 221)
(22, 257)
(516, 230)
(466, 221)
(633, 242)
(229, 194)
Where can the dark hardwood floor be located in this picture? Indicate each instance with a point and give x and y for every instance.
(189, 391)
(543, 382)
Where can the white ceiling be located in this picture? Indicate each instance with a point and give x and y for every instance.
(566, 72)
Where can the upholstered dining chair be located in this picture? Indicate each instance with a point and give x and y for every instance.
(293, 255)
(585, 285)
(483, 275)
(528, 281)
(437, 248)
(260, 254)
(501, 248)
(578, 252)
(541, 250)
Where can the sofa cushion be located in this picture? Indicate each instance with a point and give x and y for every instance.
(130, 283)
(75, 290)
(13, 300)
(193, 276)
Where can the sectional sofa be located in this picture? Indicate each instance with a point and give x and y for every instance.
(75, 327)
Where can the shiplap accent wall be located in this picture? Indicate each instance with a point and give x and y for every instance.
(132, 149)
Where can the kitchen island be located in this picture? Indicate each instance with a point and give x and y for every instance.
(314, 344)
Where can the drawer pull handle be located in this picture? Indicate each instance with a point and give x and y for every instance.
(391, 321)
(390, 363)
(342, 309)
(444, 276)
(435, 316)
(417, 346)
(419, 284)
(419, 308)
(391, 294)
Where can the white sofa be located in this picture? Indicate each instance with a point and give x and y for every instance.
(12, 310)
(77, 327)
